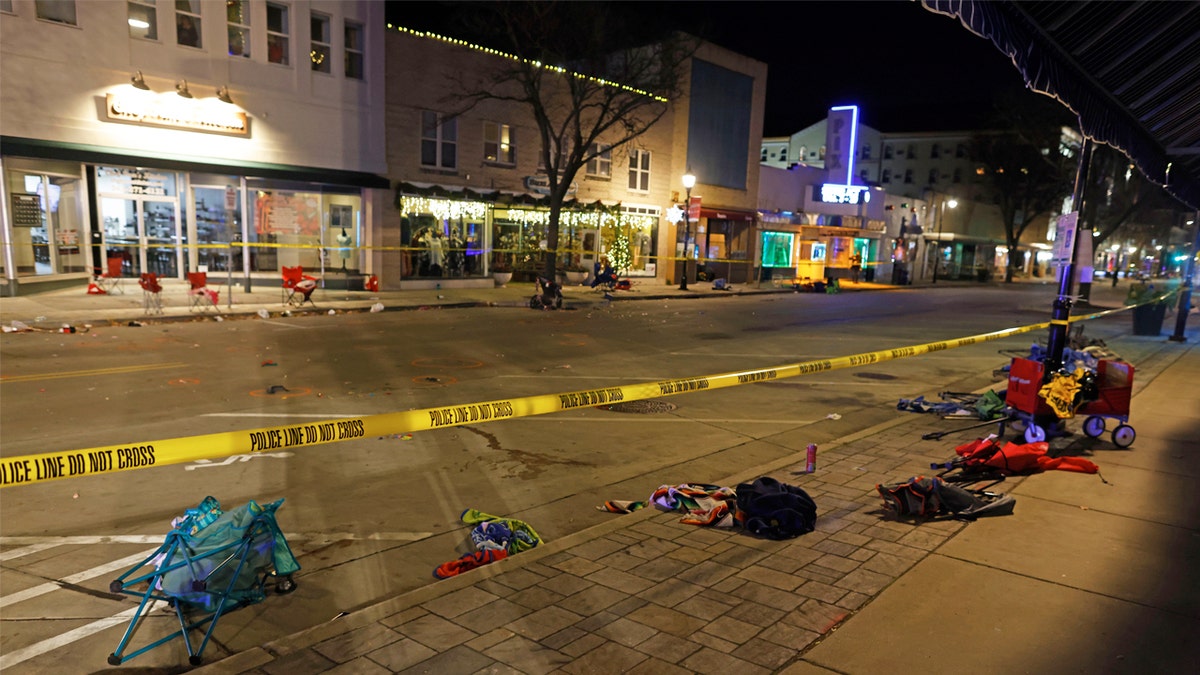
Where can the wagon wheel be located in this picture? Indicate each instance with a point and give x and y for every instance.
(1093, 426)
(1034, 434)
(1123, 436)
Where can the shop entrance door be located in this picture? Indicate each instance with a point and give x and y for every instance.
(145, 233)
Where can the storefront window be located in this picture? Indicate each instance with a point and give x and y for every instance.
(47, 234)
(217, 225)
(293, 228)
(777, 249)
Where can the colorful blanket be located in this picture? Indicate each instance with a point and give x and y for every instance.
(701, 504)
(494, 538)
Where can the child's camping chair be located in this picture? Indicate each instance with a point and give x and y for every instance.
(151, 293)
(203, 298)
(298, 287)
(212, 562)
(109, 278)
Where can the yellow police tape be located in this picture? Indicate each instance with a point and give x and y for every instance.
(31, 469)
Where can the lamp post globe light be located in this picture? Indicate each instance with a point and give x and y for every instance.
(689, 182)
(937, 260)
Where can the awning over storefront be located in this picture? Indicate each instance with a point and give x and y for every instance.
(497, 197)
(728, 214)
(1128, 70)
(92, 154)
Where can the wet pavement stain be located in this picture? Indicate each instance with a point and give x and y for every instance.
(534, 463)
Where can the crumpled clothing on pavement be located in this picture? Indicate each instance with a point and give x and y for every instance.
(701, 504)
(494, 538)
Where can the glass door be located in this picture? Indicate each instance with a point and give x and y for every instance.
(122, 233)
(144, 233)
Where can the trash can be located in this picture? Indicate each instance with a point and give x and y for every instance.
(1148, 319)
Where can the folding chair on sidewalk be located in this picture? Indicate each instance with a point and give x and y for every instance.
(151, 293)
(109, 279)
(211, 562)
(297, 286)
(202, 297)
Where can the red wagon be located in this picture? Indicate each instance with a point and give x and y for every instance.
(1115, 388)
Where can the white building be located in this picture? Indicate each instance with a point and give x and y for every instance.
(229, 136)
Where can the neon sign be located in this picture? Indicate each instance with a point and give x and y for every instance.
(833, 193)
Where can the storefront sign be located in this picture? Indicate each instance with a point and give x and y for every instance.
(841, 132)
(174, 112)
(540, 184)
(1064, 239)
(833, 193)
(694, 209)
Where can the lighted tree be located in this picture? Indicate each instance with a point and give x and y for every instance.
(588, 84)
(619, 254)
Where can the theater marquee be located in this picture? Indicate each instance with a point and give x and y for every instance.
(174, 112)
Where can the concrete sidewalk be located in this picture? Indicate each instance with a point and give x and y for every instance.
(73, 306)
(1090, 574)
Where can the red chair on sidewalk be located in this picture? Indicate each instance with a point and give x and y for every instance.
(203, 298)
(108, 280)
(297, 286)
(151, 293)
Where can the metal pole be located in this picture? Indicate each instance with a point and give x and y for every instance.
(1059, 325)
(1185, 291)
(687, 234)
(937, 251)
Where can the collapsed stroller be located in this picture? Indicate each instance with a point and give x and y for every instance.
(211, 562)
(548, 296)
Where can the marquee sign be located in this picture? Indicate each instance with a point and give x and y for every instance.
(175, 112)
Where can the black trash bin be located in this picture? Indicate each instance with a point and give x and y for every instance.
(1148, 319)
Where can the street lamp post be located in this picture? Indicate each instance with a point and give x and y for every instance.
(689, 181)
(937, 258)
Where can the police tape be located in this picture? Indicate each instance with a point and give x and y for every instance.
(33, 469)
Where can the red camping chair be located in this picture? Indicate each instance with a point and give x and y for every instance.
(109, 279)
(203, 298)
(297, 286)
(151, 293)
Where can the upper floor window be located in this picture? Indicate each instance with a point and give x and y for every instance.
(886, 177)
(934, 151)
(912, 151)
(933, 176)
(354, 50)
(320, 32)
(187, 23)
(865, 175)
(639, 170)
(783, 154)
(6, 6)
(277, 34)
(143, 19)
(866, 151)
(62, 11)
(499, 143)
(237, 21)
(763, 157)
(908, 175)
(961, 150)
(957, 174)
(601, 165)
(439, 141)
(887, 151)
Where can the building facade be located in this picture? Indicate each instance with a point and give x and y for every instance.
(470, 194)
(233, 137)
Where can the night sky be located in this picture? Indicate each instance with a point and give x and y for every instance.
(906, 67)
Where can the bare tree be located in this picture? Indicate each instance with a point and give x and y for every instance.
(586, 91)
(1027, 164)
(1120, 200)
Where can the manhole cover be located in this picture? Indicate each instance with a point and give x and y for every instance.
(640, 407)
(875, 376)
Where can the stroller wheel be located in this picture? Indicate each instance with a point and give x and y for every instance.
(1034, 434)
(1123, 436)
(198, 585)
(115, 586)
(114, 660)
(285, 585)
(1093, 426)
(195, 659)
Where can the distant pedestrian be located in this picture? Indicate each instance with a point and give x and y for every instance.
(855, 267)
(1115, 276)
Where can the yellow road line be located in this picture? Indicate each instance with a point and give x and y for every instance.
(34, 377)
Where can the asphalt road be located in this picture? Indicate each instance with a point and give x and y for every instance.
(371, 518)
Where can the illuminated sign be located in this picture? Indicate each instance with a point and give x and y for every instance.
(841, 135)
(832, 193)
(174, 112)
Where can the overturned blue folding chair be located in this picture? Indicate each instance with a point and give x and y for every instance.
(211, 562)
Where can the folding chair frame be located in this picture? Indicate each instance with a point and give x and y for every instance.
(109, 278)
(293, 294)
(151, 293)
(233, 553)
(201, 298)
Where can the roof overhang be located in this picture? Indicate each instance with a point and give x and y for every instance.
(1130, 71)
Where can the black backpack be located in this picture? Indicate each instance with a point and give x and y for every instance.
(775, 510)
